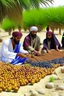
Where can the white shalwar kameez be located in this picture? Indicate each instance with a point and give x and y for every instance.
(7, 52)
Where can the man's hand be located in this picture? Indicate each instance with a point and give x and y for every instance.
(58, 50)
(49, 51)
(28, 55)
(35, 52)
(38, 53)
(21, 55)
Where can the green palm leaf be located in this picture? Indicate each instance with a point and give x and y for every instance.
(13, 8)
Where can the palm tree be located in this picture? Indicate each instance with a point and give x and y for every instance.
(4, 4)
(13, 8)
(8, 7)
(28, 4)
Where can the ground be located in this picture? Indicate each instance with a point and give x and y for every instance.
(41, 84)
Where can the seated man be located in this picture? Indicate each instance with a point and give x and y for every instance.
(12, 50)
(50, 42)
(32, 42)
(62, 41)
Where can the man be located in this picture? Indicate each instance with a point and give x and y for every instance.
(50, 42)
(62, 41)
(32, 42)
(12, 50)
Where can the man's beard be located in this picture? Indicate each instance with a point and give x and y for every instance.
(49, 39)
(15, 41)
(33, 35)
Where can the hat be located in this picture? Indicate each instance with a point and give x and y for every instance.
(49, 33)
(33, 28)
(17, 33)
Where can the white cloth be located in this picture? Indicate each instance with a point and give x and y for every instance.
(7, 52)
(33, 28)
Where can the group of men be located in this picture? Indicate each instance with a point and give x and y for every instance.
(14, 52)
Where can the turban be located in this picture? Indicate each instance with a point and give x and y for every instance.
(33, 28)
(17, 33)
(49, 33)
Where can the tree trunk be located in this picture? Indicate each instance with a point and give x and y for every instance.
(52, 30)
(19, 28)
(39, 28)
(9, 31)
(13, 29)
(1, 39)
(16, 15)
(59, 31)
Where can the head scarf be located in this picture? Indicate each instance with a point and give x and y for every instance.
(16, 34)
(33, 28)
(49, 33)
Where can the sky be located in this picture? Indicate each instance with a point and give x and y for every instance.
(58, 3)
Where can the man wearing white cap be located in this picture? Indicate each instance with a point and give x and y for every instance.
(32, 42)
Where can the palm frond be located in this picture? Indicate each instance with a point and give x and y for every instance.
(24, 4)
(7, 3)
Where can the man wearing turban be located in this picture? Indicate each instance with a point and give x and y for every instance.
(32, 42)
(50, 42)
(12, 50)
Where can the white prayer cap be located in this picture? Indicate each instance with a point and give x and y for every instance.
(33, 28)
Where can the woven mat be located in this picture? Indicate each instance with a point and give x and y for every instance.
(48, 56)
